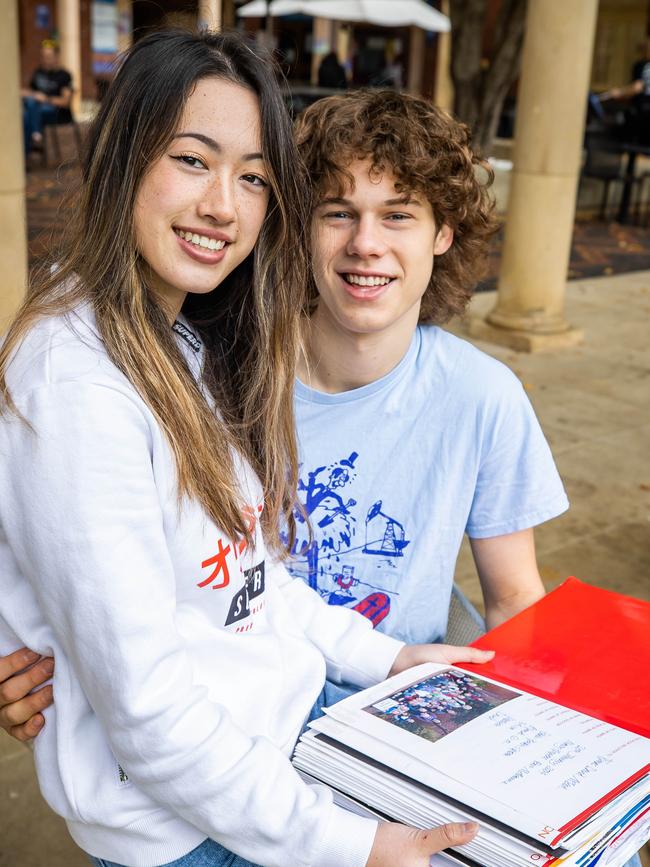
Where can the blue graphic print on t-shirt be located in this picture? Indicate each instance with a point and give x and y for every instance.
(394, 473)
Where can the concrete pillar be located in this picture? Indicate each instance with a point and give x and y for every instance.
(342, 43)
(209, 15)
(551, 109)
(443, 91)
(416, 61)
(13, 235)
(125, 25)
(321, 44)
(68, 19)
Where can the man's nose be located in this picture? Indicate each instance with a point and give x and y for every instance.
(366, 240)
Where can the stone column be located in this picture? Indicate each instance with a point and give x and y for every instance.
(551, 109)
(321, 44)
(209, 15)
(443, 91)
(13, 236)
(125, 25)
(416, 60)
(68, 21)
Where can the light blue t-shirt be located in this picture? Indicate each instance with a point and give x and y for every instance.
(394, 473)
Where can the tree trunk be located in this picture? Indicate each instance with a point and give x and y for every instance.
(481, 88)
(467, 23)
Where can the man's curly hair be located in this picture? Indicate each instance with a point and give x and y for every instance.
(429, 153)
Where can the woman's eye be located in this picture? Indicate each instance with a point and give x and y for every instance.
(191, 160)
(255, 180)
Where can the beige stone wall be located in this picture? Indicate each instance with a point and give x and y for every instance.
(622, 26)
(13, 241)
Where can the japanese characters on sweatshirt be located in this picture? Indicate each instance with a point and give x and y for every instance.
(186, 662)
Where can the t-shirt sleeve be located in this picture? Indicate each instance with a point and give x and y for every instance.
(518, 485)
(65, 80)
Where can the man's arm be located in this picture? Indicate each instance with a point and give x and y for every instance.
(20, 709)
(507, 569)
(63, 100)
(625, 92)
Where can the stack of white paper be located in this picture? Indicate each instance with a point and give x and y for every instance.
(546, 784)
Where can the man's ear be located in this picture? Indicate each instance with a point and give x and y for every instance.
(444, 239)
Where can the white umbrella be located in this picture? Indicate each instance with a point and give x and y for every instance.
(386, 13)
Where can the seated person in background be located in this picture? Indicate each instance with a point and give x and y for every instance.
(48, 97)
(638, 93)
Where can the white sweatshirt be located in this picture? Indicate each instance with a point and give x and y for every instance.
(185, 667)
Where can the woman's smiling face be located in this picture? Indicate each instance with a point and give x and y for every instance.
(201, 205)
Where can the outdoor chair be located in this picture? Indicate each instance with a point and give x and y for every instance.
(642, 203)
(603, 162)
(465, 624)
(52, 143)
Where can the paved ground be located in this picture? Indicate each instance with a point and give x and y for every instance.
(593, 404)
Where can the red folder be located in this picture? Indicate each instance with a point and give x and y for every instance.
(582, 647)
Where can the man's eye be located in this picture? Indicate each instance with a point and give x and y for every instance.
(337, 215)
(399, 217)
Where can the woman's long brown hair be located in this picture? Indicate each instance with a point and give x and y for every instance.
(249, 322)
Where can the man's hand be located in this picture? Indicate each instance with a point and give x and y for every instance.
(400, 846)
(20, 708)
(447, 654)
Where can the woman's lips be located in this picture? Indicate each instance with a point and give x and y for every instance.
(201, 254)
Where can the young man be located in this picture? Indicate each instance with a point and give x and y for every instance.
(409, 436)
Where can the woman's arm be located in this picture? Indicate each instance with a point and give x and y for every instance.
(86, 527)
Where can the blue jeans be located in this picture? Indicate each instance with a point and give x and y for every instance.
(211, 854)
(208, 854)
(35, 115)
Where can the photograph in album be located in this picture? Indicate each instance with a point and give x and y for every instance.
(440, 704)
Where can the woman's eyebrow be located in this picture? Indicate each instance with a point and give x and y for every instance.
(214, 145)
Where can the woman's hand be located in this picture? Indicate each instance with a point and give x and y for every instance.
(400, 846)
(416, 654)
(20, 708)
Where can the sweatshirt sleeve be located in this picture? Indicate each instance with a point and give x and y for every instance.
(354, 652)
(86, 526)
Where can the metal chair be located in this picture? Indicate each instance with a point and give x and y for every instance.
(52, 142)
(464, 624)
(603, 162)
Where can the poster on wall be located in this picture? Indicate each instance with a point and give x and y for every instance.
(104, 36)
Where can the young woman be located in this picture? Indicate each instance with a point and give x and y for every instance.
(147, 437)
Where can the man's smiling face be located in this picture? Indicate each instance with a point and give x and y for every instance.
(373, 250)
